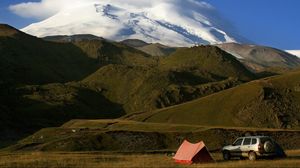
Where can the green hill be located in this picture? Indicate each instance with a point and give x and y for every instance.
(262, 58)
(134, 43)
(272, 102)
(26, 59)
(207, 59)
(130, 83)
(154, 49)
(129, 136)
(44, 83)
(157, 49)
(28, 64)
(144, 89)
(183, 76)
(26, 109)
(107, 52)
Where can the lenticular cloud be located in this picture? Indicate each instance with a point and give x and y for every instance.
(170, 22)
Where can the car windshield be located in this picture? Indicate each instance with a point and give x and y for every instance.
(238, 142)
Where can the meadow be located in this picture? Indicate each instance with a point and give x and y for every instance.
(127, 160)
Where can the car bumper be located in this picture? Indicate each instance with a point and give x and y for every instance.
(265, 154)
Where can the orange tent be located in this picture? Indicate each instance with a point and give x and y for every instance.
(189, 153)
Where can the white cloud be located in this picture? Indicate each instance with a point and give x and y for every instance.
(47, 8)
(44, 8)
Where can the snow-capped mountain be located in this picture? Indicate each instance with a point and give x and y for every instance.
(170, 22)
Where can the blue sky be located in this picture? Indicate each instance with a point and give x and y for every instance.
(273, 23)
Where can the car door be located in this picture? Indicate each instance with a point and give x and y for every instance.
(246, 147)
(236, 147)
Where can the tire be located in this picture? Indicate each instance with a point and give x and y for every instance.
(226, 155)
(269, 146)
(252, 156)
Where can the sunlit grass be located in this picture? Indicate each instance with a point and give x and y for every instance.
(115, 160)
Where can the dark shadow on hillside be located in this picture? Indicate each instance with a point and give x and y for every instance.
(29, 60)
(22, 116)
(265, 74)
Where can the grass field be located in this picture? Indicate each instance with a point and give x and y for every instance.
(117, 160)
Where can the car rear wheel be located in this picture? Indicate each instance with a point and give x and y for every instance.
(252, 156)
(226, 155)
(269, 146)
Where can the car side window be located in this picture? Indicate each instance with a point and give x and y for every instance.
(247, 141)
(254, 141)
(238, 142)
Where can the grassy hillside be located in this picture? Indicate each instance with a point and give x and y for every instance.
(129, 136)
(271, 102)
(28, 60)
(129, 81)
(154, 49)
(107, 52)
(26, 109)
(262, 58)
(183, 76)
(28, 64)
(140, 89)
(207, 59)
(45, 83)
(134, 43)
(157, 49)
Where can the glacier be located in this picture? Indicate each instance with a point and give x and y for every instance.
(169, 22)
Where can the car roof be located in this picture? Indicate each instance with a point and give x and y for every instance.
(259, 136)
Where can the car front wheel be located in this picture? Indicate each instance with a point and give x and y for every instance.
(252, 156)
(226, 155)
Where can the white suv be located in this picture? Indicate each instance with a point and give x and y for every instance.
(252, 147)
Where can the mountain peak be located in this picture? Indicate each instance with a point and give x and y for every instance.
(134, 43)
(7, 31)
(163, 21)
(73, 38)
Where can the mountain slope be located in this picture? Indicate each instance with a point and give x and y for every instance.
(25, 59)
(135, 43)
(117, 79)
(142, 137)
(151, 49)
(154, 22)
(185, 75)
(207, 59)
(28, 64)
(157, 49)
(107, 52)
(260, 58)
(271, 102)
(26, 109)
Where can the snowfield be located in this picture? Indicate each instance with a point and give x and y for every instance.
(170, 22)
